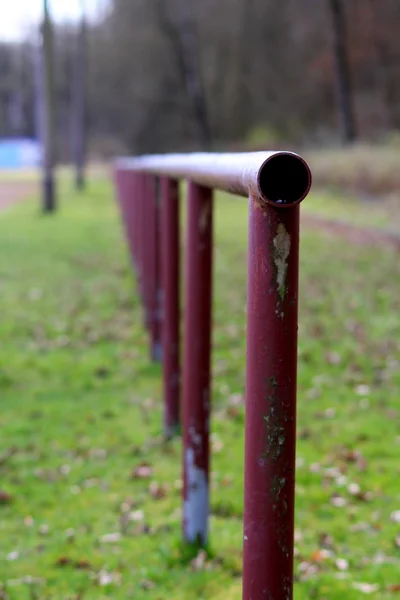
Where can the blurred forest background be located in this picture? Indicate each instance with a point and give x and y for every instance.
(166, 75)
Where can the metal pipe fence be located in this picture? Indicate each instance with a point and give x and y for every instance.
(275, 183)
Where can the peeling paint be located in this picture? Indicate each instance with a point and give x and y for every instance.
(196, 506)
(195, 437)
(281, 253)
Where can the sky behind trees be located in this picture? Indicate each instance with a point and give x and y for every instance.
(18, 16)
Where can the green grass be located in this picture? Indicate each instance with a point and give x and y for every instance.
(348, 208)
(81, 410)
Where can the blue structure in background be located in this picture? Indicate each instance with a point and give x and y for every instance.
(20, 153)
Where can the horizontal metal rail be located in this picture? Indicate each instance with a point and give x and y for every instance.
(273, 177)
(275, 183)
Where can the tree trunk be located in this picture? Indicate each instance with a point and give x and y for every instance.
(49, 191)
(79, 106)
(37, 57)
(343, 84)
(182, 34)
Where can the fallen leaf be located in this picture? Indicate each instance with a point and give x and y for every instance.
(44, 530)
(108, 578)
(70, 534)
(325, 541)
(333, 358)
(83, 565)
(142, 471)
(342, 564)
(111, 538)
(226, 481)
(5, 498)
(233, 412)
(395, 516)
(102, 372)
(137, 516)
(366, 588)
(321, 555)
(63, 561)
(304, 434)
(157, 491)
(236, 400)
(338, 501)
(146, 584)
(362, 390)
(199, 562)
(361, 526)
(307, 570)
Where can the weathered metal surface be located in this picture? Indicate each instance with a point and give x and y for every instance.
(140, 204)
(153, 286)
(123, 183)
(276, 183)
(170, 269)
(270, 402)
(196, 365)
(129, 217)
(147, 199)
(276, 177)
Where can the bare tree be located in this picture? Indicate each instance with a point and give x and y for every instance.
(49, 191)
(343, 83)
(37, 60)
(179, 27)
(79, 103)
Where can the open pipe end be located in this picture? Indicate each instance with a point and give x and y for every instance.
(284, 180)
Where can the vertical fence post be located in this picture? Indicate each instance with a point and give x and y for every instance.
(146, 246)
(140, 234)
(129, 210)
(135, 221)
(123, 180)
(196, 365)
(272, 302)
(153, 270)
(170, 268)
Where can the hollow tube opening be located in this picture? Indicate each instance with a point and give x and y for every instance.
(284, 179)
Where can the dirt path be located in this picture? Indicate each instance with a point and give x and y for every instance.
(352, 233)
(15, 191)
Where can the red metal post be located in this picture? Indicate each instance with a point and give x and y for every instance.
(140, 193)
(196, 365)
(270, 401)
(129, 213)
(134, 215)
(146, 246)
(153, 286)
(170, 269)
(123, 183)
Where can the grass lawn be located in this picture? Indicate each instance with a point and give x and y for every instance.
(81, 411)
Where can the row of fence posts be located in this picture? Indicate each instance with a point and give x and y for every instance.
(151, 212)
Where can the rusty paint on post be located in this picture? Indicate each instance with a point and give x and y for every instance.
(196, 365)
(130, 215)
(153, 287)
(135, 221)
(147, 247)
(170, 269)
(270, 401)
(141, 234)
(123, 181)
